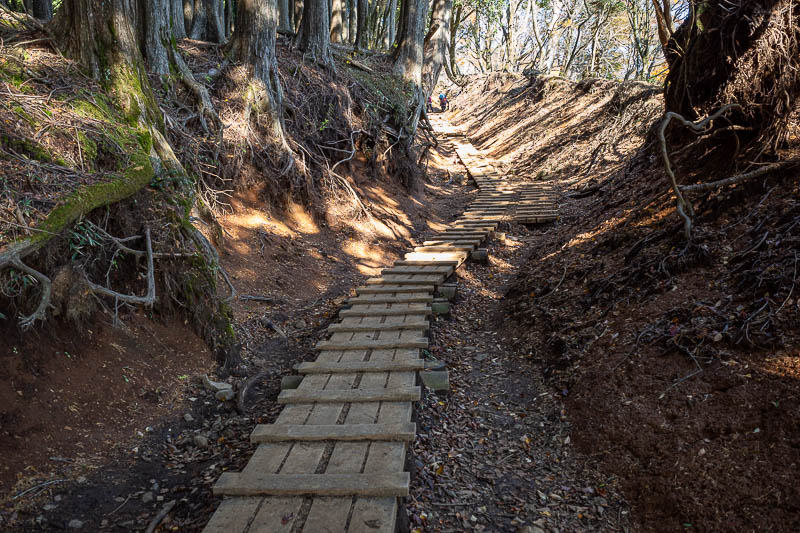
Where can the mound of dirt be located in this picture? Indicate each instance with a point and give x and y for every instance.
(680, 363)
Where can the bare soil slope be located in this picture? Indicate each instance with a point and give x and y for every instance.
(679, 363)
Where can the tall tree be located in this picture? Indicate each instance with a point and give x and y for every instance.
(436, 43)
(40, 9)
(409, 56)
(284, 14)
(253, 44)
(362, 28)
(314, 38)
(337, 20)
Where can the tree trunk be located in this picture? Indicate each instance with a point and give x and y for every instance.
(409, 56)
(436, 44)
(351, 21)
(188, 16)
(40, 9)
(157, 28)
(199, 20)
(361, 29)
(176, 17)
(391, 24)
(336, 21)
(229, 18)
(285, 15)
(215, 30)
(253, 44)
(315, 31)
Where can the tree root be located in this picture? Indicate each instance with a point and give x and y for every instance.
(207, 112)
(146, 300)
(44, 300)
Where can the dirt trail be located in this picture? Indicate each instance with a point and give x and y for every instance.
(495, 453)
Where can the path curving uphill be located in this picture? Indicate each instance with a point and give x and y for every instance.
(334, 460)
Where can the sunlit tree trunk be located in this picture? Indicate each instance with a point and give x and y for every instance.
(436, 44)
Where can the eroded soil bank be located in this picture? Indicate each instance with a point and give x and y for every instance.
(679, 365)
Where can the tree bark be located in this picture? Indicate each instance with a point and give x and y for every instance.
(391, 24)
(409, 55)
(157, 28)
(436, 44)
(176, 17)
(253, 44)
(284, 12)
(215, 30)
(315, 31)
(351, 21)
(336, 21)
(361, 29)
(188, 16)
(40, 9)
(199, 20)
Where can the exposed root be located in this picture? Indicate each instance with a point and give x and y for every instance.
(44, 300)
(146, 300)
(207, 112)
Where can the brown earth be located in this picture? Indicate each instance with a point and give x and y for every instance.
(123, 392)
(680, 365)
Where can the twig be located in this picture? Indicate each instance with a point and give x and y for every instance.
(120, 505)
(160, 516)
(39, 486)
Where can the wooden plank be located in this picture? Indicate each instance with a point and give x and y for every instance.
(337, 432)
(415, 279)
(377, 310)
(445, 247)
(361, 366)
(389, 299)
(419, 325)
(233, 515)
(374, 515)
(276, 514)
(383, 484)
(429, 270)
(403, 394)
(404, 262)
(328, 515)
(444, 241)
(372, 344)
(382, 289)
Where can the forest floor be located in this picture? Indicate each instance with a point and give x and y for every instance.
(679, 367)
(73, 454)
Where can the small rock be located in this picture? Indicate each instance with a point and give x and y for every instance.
(555, 497)
(81, 479)
(215, 386)
(147, 497)
(200, 441)
(57, 498)
(75, 524)
(300, 324)
(50, 506)
(188, 417)
(225, 395)
(481, 357)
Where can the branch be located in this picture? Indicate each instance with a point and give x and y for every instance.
(44, 301)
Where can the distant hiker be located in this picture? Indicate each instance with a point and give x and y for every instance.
(429, 107)
(443, 102)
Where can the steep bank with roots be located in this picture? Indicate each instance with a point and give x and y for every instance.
(678, 359)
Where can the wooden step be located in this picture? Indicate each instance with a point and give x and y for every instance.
(397, 394)
(445, 248)
(381, 484)
(338, 432)
(389, 299)
(388, 289)
(405, 279)
(348, 367)
(426, 270)
(361, 310)
(421, 325)
(369, 344)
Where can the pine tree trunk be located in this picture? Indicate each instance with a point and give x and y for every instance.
(436, 44)
(409, 56)
(315, 32)
(188, 16)
(253, 44)
(336, 21)
(40, 9)
(391, 24)
(361, 29)
(199, 20)
(215, 30)
(299, 8)
(351, 21)
(176, 16)
(284, 14)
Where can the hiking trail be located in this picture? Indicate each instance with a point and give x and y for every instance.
(336, 457)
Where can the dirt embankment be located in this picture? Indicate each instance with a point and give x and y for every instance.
(680, 363)
(103, 402)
